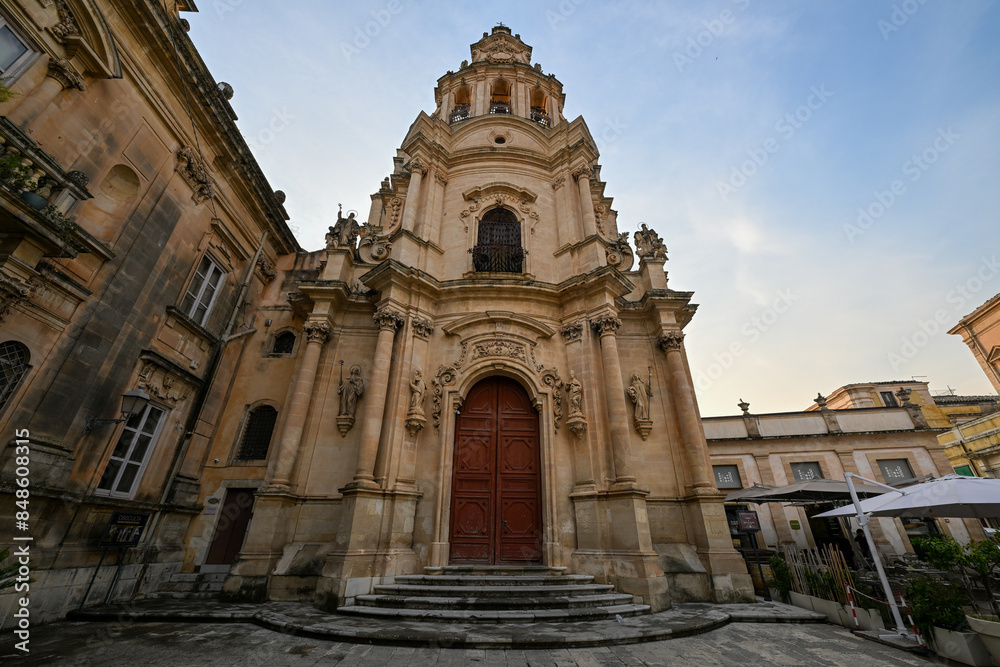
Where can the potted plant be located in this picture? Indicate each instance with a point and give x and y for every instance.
(983, 559)
(937, 610)
(782, 581)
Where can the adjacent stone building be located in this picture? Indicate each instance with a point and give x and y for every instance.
(980, 330)
(474, 375)
(136, 237)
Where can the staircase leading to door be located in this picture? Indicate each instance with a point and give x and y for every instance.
(495, 594)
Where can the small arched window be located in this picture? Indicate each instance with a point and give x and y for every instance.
(14, 366)
(283, 344)
(463, 105)
(538, 111)
(257, 434)
(500, 97)
(498, 248)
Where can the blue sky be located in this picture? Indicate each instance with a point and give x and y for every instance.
(752, 136)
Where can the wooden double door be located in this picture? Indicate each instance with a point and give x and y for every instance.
(496, 484)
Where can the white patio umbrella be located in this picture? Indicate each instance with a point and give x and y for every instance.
(947, 496)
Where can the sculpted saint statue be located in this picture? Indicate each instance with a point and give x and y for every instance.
(350, 390)
(640, 392)
(345, 231)
(574, 392)
(417, 389)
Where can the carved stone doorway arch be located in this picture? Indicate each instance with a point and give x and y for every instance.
(496, 499)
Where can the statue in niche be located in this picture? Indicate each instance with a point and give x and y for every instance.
(574, 393)
(350, 391)
(648, 244)
(640, 393)
(415, 419)
(345, 232)
(417, 389)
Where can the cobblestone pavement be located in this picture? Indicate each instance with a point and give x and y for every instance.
(245, 645)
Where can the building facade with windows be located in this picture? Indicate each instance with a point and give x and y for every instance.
(980, 331)
(890, 444)
(481, 373)
(137, 235)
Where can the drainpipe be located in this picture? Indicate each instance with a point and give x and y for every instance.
(213, 365)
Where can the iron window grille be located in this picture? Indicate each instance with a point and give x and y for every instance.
(13, 367)
(499, 248)
(284, 343)
(257, 434)
(460, 112)
(539, 116)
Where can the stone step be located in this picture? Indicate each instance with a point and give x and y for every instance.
(495, 591)
(191, 587)
(495, 569)
(493, 580)
(199, 577)
(543, 602)
(183, 595)
(498, 615)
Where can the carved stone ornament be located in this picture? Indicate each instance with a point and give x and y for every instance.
(440, 179)
(550, 378)
(316, 331)
(501, 48)
(572, 332)
(416, 165)
(63, 71)
(670, 340)
(374, 246)
(619, 254)
(415, 419)
(556, 184)
(422, 328)
(265, 269)
(500, 348)
(350, 391)
(583, 171)
(501, 199)
(443, 378)
(387, 319)
(12, 292)
(649, 244)
(606, 324)
(192, 170)
(67, 24)
(160, 384)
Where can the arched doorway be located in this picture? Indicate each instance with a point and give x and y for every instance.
(496, 483)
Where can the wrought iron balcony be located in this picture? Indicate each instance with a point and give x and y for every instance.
(499, 107)
(460, 112)
(539, 116)
(498, 258)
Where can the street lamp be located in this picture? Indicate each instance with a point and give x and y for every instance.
(133, 403)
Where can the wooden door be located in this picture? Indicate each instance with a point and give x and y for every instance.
(231, 528)
(496, 485)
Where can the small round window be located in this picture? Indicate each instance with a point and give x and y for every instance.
(499, 140)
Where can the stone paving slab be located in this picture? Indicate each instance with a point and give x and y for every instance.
(169, 644)
(302, 619)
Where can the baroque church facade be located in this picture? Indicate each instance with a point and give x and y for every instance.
(482, 373)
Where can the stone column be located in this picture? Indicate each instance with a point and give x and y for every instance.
(388, 321)
(582, 176)
(412, 211)
(317, 332)
(61, 76)
(607, 327)
(433, 233)
(695, 448)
